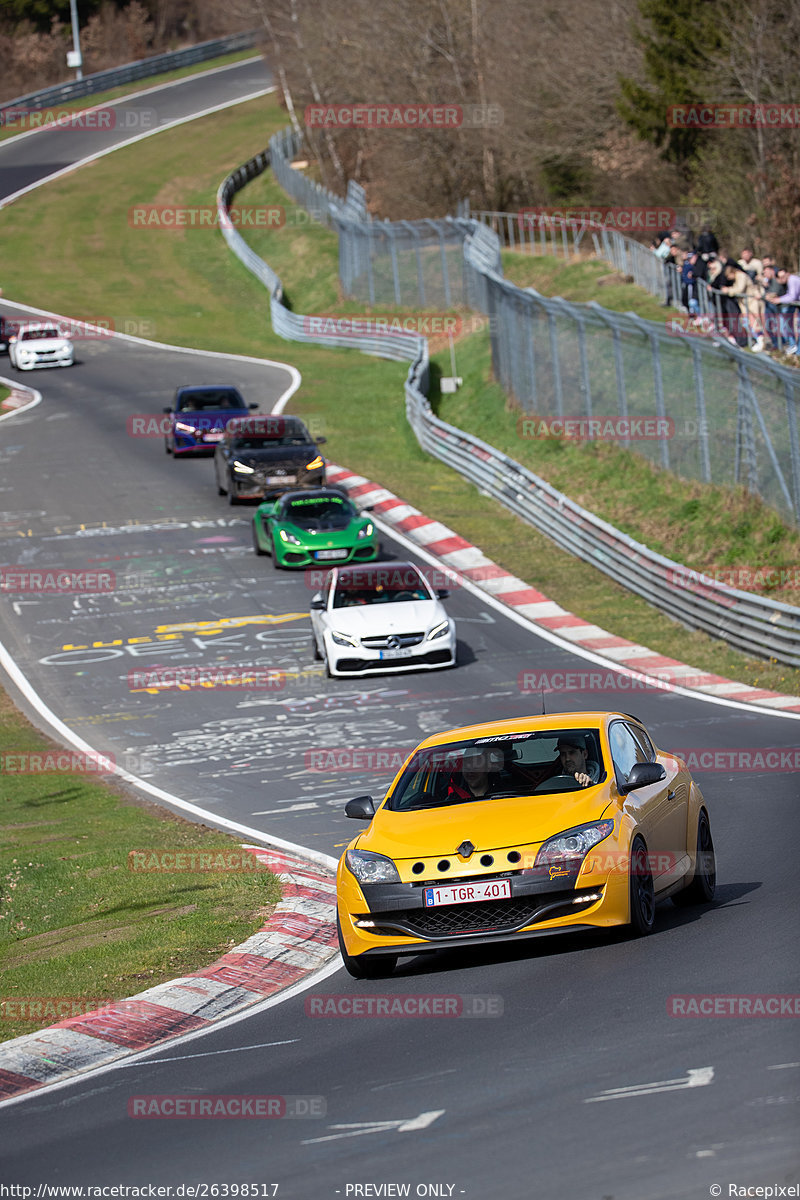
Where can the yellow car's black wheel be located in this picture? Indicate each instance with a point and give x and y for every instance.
(701, 889)
(643, 896)
(365, 968)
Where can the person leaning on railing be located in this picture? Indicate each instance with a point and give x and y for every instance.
(789, 304)
(753, 297)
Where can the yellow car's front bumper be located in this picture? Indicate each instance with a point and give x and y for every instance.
(392, 919)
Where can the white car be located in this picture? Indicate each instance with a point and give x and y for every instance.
(40, 345)
(381, 617)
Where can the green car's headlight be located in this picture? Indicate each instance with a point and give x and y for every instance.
(371, 868)
(572, 846)
(367, 531)
(289, 537)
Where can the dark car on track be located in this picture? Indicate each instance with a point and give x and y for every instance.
(8, 329)
(265, 456)
(199, 415)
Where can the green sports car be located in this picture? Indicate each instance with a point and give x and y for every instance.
(308, 528)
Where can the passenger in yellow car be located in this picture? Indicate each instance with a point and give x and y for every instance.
(473, 782)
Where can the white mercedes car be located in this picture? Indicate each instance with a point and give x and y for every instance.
(381, 617)
(40, 345)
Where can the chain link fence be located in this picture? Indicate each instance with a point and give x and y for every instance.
(724, 416)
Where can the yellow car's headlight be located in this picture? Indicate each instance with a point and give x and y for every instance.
(371, 868)
(572, 846)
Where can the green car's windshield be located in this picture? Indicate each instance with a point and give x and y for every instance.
(316, 513)
(491, 768)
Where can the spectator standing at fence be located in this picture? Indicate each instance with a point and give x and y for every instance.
(772, 289)
(666, 252)
(753, 299)
(693, 269)
(683, 238)
(707, 243)
(731, 284)
(789, 302)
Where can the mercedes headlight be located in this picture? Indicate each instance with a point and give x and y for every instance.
(344, 639)
(182, 427)
(242, 468)
(371, 868)
(439, 630)
(315, 463)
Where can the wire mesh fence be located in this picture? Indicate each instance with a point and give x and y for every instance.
(702, 408)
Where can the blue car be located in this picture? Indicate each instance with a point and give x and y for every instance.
(199, 415)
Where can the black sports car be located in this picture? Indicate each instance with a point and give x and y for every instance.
(265, 456)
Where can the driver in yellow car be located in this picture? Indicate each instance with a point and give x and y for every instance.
(574, 761)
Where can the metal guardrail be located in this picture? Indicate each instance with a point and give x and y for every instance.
(102, 81)
(754, 624)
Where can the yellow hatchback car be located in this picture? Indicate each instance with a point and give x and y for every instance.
(522, 828)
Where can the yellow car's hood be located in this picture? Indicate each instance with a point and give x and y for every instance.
(488, 824)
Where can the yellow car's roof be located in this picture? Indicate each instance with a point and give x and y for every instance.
(533, 724)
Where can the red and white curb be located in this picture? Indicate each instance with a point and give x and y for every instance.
(467, 560)
(299, 938)
(19, 397)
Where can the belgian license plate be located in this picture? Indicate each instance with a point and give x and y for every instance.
(402, 653)
(281, 479)
(467, 893)
(214, 435)
(331, 553)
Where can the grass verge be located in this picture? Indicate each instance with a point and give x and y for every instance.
(193, 291)
(77, 922)
(127, 89)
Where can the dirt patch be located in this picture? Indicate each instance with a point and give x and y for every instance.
(88, 933)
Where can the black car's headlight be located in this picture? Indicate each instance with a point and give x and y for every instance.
(571, 847)
(371, 868)
(315, 463)
(242, 468)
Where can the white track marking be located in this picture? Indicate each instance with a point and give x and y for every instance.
(695, 1077)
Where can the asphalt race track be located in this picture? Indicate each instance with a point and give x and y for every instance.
(579, 1084)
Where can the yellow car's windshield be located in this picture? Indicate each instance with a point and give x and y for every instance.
(499, 767)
